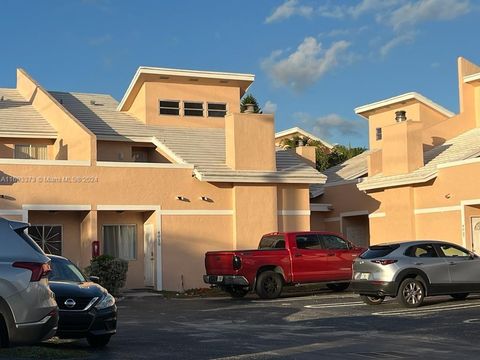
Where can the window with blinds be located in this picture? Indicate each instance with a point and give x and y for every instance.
(120, 241)
(29, 151)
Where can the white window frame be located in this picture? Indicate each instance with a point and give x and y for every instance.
(195, 102)
(31, 147)
(160, 107)
(135, 239)
(216, 103)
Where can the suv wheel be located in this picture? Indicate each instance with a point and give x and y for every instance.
(98, 341)
(269, 285)
(338, 287)
(411, 293)
(372, 300)
(460, 296)
(4, 340)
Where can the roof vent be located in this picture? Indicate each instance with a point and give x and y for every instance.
(400, 116)
(60, 101)
(92, 102)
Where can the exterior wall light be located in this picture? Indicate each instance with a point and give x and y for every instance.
(181, 198)
(204, 198)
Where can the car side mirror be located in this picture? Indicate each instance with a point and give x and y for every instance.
(94, 279)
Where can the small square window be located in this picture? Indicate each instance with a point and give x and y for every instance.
(169, 107)
(217, 109)
(193, 108)
(378, 133)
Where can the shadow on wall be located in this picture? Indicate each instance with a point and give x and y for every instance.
(62, 153)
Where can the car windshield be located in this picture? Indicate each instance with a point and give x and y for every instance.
(378, 251)
(64, 270)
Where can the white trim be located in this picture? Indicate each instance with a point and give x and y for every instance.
(471, 78)
(184, 73)
(401, 98)
(332, 219)
(321, 207)
(57, 207)
(196, 212)
(293, 212)
(376, 215)
(45, 162)
(16, 212)
(367, 185)
(28, 135)
(128, 207)
(143, 165)
(274, 177)
(436, 209)
(343, 182)
(459, 163)
(296, 129)
(464, 203)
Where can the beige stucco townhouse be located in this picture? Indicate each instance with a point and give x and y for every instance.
(171, 171)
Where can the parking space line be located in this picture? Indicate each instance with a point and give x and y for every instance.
(425, 311)
(329, 306)
(306, 298)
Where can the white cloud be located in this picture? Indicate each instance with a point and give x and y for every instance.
(366, 6)
(269, 107)
(308, 63)
(398, 40)
(289, 9)
(334, 12)
(331, 125)
(416, 12)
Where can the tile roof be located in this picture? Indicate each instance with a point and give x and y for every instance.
(19, 118)
(202, 147)
(462, 147)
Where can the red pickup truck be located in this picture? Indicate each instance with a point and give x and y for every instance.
(282, 259)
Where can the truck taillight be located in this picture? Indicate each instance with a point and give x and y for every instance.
(237, 262)
(39, 270)
(384, 261)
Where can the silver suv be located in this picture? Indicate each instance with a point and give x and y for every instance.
(412, 270)
(28, 311)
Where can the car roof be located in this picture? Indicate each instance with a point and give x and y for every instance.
(57, 257)
(413, 242)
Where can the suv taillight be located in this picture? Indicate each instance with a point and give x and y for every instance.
(237, 262)
(384, 261)
(39, 270)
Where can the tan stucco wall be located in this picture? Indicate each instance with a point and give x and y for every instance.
(153, 92)
(7, 146)
(255, 213)
(247, 136)
(293, 197)
(293, 223)
(185, 239)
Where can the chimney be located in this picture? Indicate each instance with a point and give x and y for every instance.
(308, 154)
(250, 141)
(400, 116)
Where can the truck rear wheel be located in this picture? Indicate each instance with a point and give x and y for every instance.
(269, 285)
(236, 292)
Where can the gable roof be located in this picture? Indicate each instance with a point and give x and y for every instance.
(18, 117)
(411, 96)
(462, 147)
(296, 130)
(202, 147)
(146, 73)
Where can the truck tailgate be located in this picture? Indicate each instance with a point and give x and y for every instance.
(219, 263)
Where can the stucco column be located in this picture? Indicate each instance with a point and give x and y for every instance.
(399, 214)
(88, 234)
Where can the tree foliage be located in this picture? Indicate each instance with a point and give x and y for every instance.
(250, 99)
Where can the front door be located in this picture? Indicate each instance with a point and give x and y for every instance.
(149, 255)
(475, 222)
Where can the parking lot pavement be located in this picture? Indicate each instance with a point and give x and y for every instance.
(324, 326)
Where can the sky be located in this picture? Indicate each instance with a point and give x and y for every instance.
(314, 61)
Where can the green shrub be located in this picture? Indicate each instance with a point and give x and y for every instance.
(111, 271)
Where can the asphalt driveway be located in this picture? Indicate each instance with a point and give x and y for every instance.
(327, 325)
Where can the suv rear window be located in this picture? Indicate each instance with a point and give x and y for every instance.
(272, 242)
(29, 240)
(378, 251)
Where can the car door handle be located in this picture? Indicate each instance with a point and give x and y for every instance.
(418, 263)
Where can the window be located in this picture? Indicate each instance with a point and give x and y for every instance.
(272, 242)
(48, 237)
(120, 241)
(140, 154)
(453, 251)
(38, 152)
(334, 243)
(377, 251)
(424, 250)
(378, 133)
(217, 109)
(169, 107)
(193, 108)
(309, 242)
